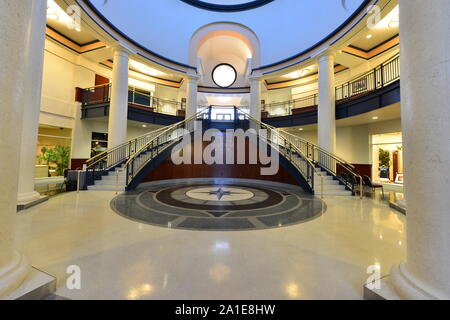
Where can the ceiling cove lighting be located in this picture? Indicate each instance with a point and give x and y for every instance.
(299, 74)
(224, 75)
(140, 67)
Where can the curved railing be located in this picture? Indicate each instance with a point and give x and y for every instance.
(313, 156)
(331, 163)
(303, 165)
(101, 94)
(114, 156)
(284, 108)
(159, 143)
(377, 78)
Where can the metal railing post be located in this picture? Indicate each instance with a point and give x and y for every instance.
(361, 187)
(117, 182)
(78, 180)
(321, 184)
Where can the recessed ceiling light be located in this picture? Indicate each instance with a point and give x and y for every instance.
(375, 118)
(369, 36)
(144, 126)
(300, 129)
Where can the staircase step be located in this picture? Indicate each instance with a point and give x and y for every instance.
(109, 182)
(334, 193)
(330, 187)
(106, 188)
(325, 177)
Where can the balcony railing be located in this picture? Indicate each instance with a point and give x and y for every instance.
(286, 108)
(373, 80)
(102, 94)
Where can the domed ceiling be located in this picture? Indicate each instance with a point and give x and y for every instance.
(284, 28)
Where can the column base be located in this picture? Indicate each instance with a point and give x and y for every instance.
(385, 292)
(13, 275)
(37, 285)
(401, 285)
(28, 200)
(399, 205)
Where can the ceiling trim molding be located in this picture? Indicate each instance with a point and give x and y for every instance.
(227, 8)
(224, 90)
(111, 30)
(299, 81)
(381, 48)
(164, 82)
(72, 45)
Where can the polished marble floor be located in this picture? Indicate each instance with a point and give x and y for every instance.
(225, 205)
(325, 258)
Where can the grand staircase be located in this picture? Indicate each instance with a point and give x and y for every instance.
(324, 174)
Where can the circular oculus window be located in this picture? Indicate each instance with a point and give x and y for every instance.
(224, 75)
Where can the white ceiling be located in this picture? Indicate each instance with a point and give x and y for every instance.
(166, 27)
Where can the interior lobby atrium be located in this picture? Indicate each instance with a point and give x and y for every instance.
(225, 150)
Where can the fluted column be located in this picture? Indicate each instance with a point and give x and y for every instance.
(118, 110)
(15, 17)
(255, 98)
(32, 104)
(192, 89)
(425, 96)
(327, 103)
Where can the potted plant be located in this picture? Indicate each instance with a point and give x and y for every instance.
(385, 163)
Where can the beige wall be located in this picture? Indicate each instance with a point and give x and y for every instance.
(353, 143)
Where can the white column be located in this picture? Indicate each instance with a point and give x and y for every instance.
(118, 110)
(15, 17)
(192, 89)
(255, 98)
(32, 104)
(327, 103)
(425, 96)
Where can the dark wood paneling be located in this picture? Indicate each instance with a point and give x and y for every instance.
(360, 169)
(168, 170)
(78, 94)
(77, 163)
(304, 110)
(99, 80)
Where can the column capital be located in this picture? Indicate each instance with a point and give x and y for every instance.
(255, 76)
(325, 54)
(192, 77)
(119, 48)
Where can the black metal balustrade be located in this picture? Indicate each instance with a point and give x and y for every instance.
(380, 77)
(102, 95)
(306, 157)
(377, 78)
(285, 108)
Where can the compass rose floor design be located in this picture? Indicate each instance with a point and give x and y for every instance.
(218, 204)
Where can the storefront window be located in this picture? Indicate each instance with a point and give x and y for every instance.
(387, 155)
(53, 151)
